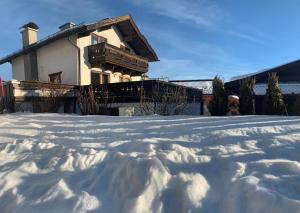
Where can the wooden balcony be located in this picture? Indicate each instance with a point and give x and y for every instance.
(106, 54)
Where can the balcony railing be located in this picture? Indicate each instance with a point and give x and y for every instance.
(103, 53)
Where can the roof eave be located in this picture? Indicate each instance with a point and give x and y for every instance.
(41, 43)
(85, 28)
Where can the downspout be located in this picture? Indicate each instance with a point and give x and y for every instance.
(79, 61)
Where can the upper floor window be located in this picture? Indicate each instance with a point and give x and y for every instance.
(98, 39)
(94, 39)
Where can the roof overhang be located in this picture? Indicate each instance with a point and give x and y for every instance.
(130, 33)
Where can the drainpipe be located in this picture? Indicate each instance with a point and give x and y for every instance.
(79, 61)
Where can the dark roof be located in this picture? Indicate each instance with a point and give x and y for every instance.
(125, 25)
(289, 72)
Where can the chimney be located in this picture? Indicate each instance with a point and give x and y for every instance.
(66, 26)
(29, 34)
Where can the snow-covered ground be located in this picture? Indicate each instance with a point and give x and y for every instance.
(69, 163)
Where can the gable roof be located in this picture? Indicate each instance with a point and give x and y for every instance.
(124, 24)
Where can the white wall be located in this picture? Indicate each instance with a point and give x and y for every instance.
(113, 37)
(59, 56)
(62, 56)
(85, 67)
(18, 71)
(136, 78)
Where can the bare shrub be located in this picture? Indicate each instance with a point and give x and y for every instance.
(86, 100)
(93, 100)
(146, 103)
(171, 101)
(49, 99)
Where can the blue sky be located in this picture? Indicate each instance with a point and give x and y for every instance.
(193, 38)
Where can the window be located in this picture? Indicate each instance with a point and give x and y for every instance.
(95, 78)
(94, 40)
(99, 78)
(105, 78)
(55, 77)
(98, 39)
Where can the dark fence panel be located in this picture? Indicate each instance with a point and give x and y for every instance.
(128, 92)
(7, 97)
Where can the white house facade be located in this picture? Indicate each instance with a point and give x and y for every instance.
(108, 51)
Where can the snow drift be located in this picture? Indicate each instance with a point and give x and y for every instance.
(69, 163)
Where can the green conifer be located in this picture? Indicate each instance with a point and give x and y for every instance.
(247, 105)
(218, 105)
(273, 102)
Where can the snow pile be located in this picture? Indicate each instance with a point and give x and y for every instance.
(69, 163)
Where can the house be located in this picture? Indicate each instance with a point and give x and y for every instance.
(112, 55)
(289, 83)
(108, 51)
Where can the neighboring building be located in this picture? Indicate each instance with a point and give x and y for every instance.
(289, 79)
(203, 84)
(108, 51)
(289, 82)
